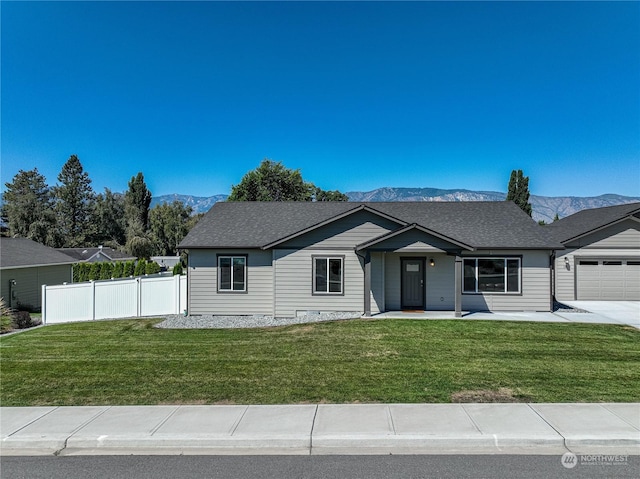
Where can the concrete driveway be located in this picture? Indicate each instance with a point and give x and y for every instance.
(624, 312)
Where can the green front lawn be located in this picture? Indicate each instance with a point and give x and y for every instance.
(130, 362)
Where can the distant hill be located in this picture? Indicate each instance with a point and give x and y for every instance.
(199, 204)
(544, 207)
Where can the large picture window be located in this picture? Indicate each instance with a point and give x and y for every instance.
(327, 275)
(232, 273)
(491, 275)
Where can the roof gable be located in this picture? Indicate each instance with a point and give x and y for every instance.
(589, 221)
(348, 214)
(394, 240)
(96, 254)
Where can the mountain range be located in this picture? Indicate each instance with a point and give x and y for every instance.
(544, 207)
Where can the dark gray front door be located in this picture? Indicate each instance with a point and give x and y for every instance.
(412, 283)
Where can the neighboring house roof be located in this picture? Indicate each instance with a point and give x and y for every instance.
(588, 221)
(486, 224)
(23, 253)
(87, 254)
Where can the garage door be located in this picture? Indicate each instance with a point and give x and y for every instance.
(608, 279)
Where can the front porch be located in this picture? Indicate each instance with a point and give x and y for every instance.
(412, 269)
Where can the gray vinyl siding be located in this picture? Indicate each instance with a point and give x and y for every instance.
(346, 232)
(294, 266)
(377, 283)
(625, 234)
(294, 283)
(618, 241)
(440, 281)
(204, 297)
(535, 286)
(440, 284)
(29, 282)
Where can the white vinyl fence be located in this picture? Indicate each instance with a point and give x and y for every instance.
(110, 299)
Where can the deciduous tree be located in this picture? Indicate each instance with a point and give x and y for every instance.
(272, 181)
(109, 222)
(169, 224)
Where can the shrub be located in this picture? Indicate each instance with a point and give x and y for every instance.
(94, 272)
(141, 268)
(152, 268)
(6, 317)
(177, 269)
(23, 320)
(128, 269)
(105, 270)
(81, 272)
(118, 268)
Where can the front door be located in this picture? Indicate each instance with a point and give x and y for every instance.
(412, 283)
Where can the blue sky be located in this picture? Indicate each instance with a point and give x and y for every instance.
(355, 95)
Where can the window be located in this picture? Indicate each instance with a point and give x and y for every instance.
(232, 273)
(491, 275)
(612, 263)
(588, 263)
(327, 275)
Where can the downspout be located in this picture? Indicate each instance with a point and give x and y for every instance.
(552, 282)
(367, 282)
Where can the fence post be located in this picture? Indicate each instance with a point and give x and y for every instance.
(139, 293)
(44, 304)
(176, 281)
(93, 300)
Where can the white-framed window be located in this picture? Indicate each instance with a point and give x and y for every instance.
(492, 275)
(232, 273)
(328, 274)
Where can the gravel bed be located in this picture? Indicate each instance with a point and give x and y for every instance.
(255, 321)
(563, 308)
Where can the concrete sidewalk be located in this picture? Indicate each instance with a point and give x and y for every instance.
(605, 428)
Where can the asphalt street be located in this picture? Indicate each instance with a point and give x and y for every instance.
(315, 467)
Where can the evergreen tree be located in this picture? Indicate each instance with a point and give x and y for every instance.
(94, 272)
(74, 203)
(136, 208)
(128, 269)
(137, 200)
(518, 191)
(117, 269)
(28, 208)
(106, 270)
(141, 268)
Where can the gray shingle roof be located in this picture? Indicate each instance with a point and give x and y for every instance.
(492, 224)
(17, 252)
(83, 254)
(585, 221)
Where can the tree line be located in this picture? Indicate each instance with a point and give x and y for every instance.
(70, 214)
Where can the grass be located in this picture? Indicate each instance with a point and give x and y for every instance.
(6, 324)
(130, 362)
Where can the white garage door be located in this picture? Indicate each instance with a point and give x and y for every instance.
(608, 279)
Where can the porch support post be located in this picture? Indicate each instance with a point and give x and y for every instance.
(458, 289)
(367, 284)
